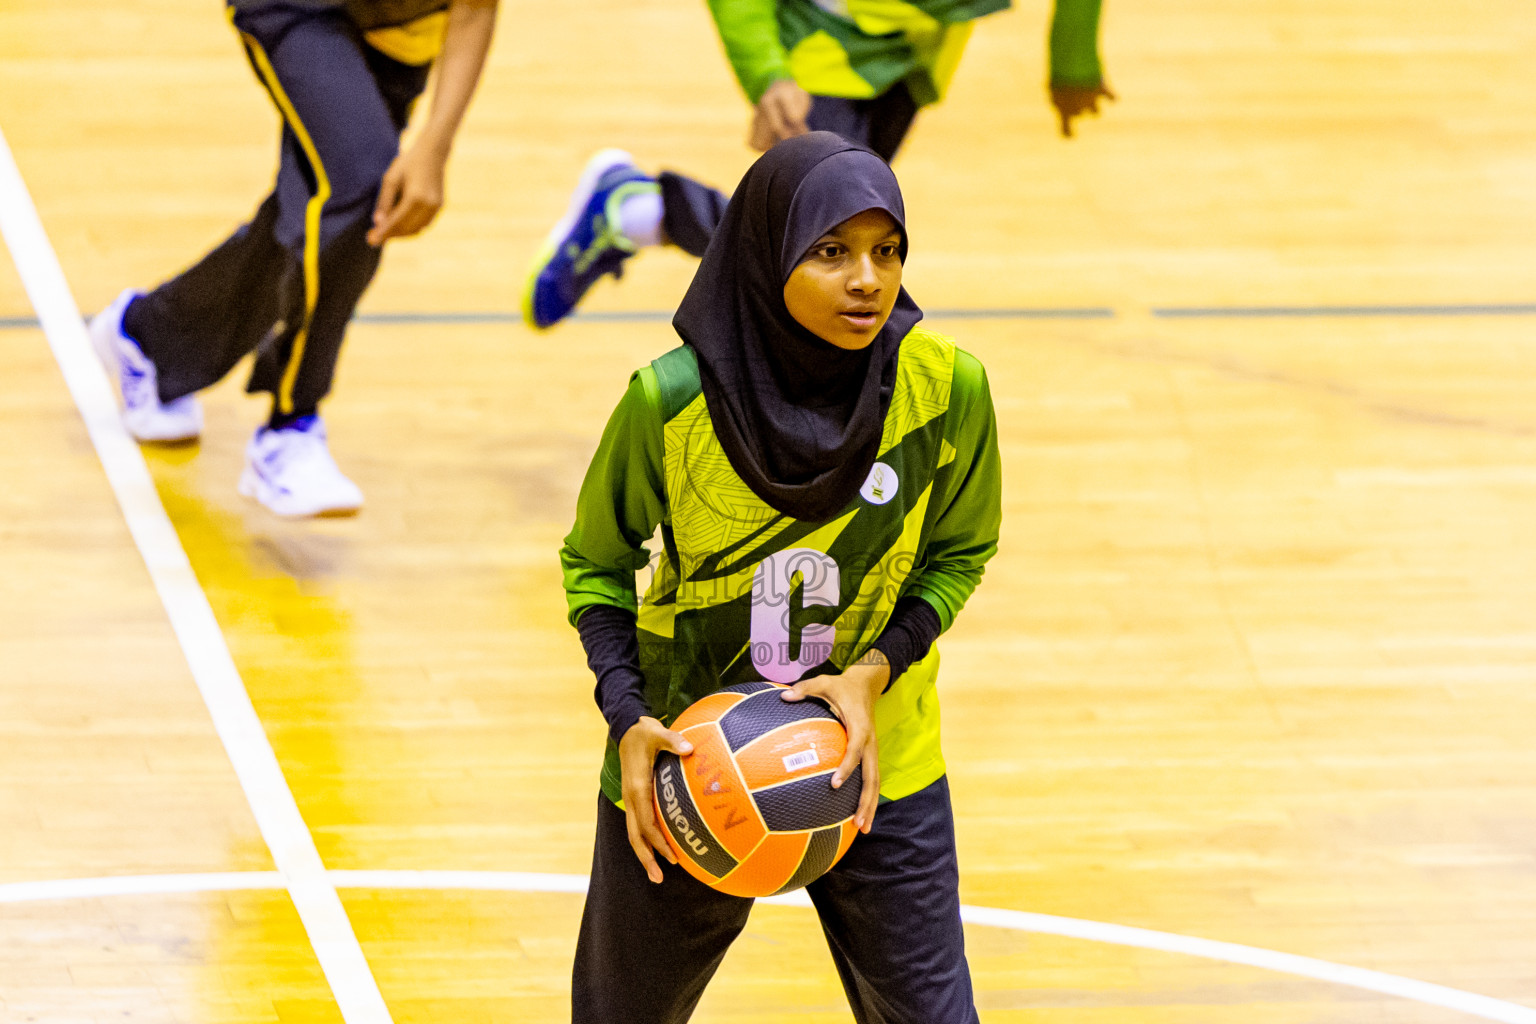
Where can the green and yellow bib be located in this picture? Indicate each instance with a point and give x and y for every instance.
(860, 48)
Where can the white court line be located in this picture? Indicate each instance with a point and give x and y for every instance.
(1469, 1003)
(277, 815)
(1283, 963)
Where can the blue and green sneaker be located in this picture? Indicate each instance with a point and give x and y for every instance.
(587, 242)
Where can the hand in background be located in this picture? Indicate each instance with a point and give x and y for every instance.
(410, 194)
(411, 191)
(1072, 101)
(779, 115)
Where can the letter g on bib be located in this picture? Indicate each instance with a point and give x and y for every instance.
(772, 630)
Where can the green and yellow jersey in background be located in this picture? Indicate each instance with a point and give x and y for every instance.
(741, 592)
(410, 31)
(857, 49)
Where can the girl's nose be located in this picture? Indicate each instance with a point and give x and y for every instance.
(863, 277)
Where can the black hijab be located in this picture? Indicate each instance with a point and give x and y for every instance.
(799, 418)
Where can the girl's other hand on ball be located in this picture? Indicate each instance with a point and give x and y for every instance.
(637, 760)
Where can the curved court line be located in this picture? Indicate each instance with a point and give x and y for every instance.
(191, 618)
(1470, 1003)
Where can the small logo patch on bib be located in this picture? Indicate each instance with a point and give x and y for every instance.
(881, 485)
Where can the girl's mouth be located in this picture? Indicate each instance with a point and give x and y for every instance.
(861, 319)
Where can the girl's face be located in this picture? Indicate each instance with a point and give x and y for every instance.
(846, 285)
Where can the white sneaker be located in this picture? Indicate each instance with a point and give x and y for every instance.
(290, 470)
(145, 416)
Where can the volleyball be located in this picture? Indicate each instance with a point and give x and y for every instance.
(752, 811)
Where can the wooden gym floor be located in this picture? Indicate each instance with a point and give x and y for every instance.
(1254, 664)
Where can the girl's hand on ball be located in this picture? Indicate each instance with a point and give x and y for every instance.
(852, 695)
(637, 759)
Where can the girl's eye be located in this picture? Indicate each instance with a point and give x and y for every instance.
(830, 252)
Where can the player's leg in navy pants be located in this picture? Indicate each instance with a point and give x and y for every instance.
(891, 913)
(890, 910)
(691, 209)
(646, 951)
(285, 284)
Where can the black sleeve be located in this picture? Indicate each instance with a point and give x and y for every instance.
(912, 629)
(613, 655)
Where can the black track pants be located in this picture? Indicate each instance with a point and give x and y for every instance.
(285, 284)
(890, 910)
(691, 209)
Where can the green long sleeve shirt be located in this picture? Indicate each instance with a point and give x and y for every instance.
(924, 525)
(860, 48)
(623, 499)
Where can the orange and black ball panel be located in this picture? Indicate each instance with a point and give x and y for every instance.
(809, 803)
(764, 711)
(691, 837)
(820, 854)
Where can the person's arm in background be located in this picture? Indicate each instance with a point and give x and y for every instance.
(1077, 73)
(749, 30)
(413, 187)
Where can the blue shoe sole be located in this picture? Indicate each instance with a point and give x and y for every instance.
(600, 164)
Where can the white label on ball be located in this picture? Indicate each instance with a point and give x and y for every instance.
(880, 486)
(804, 759)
